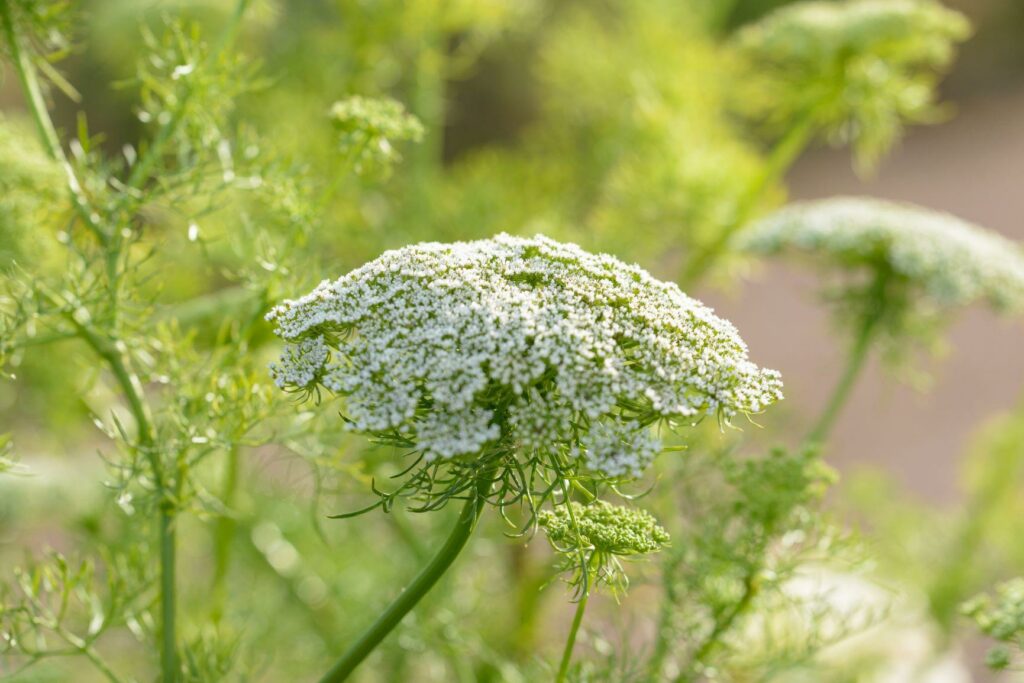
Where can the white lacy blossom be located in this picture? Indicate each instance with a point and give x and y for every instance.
(619, 449)
(456, 345)
(952, 262)
(301, 363)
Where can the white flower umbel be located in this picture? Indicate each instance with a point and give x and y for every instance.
(553, 350)
(903, 271)
(948, 261)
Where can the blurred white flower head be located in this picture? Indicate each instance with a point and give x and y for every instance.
(947, 260)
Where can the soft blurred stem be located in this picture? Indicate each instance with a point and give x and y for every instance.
(1000, 482)
(427, 103)
(528, 583)
(570, 642)
(723, 623)
(781, 158)
(224, 532)
(22, 62)
(168, 595)
(420, 585)
(841, 393)
(876, 308)
(666, 614)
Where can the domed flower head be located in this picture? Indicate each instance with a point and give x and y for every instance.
(592, 537)
(930, 262)
(856, 70)
(519, 352)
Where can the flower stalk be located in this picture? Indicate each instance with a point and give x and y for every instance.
(419, 587)
(570, 642)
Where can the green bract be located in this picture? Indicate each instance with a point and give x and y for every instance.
(603, 528)
(858, 69)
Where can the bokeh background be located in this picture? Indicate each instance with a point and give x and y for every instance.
(508, 72)
(972, 166)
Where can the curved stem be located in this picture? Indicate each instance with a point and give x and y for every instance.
(570, 643)
(781, 158)
(419, 587)
(841, 393)
(723, 623)
(855, 361)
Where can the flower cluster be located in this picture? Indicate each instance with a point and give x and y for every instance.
(540, 345)
(369, 129)
(603, 528)
(591, 538)
(949, 261)
(1001, 617)
(912, 31)
(856, 70)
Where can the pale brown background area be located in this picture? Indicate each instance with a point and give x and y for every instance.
(973, 167)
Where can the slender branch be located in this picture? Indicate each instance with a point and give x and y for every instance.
(570, 642)
(872, 318)
(141, 171)
(419, 587)
(89, 652)
(779, 161)
(133, 392)
(41, 115)
(841, 393)
(723, 623)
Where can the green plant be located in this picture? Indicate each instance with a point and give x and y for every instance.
(249, 148)
(513, 372)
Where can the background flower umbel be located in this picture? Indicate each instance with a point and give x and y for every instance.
(949, 261)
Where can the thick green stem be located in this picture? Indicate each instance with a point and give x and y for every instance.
(419, 587)
(779, 161)
(133, 392)
(570, 642)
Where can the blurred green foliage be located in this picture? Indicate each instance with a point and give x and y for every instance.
(212, 173)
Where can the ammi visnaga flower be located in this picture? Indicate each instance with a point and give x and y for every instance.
(527, 345)
(944, 261)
